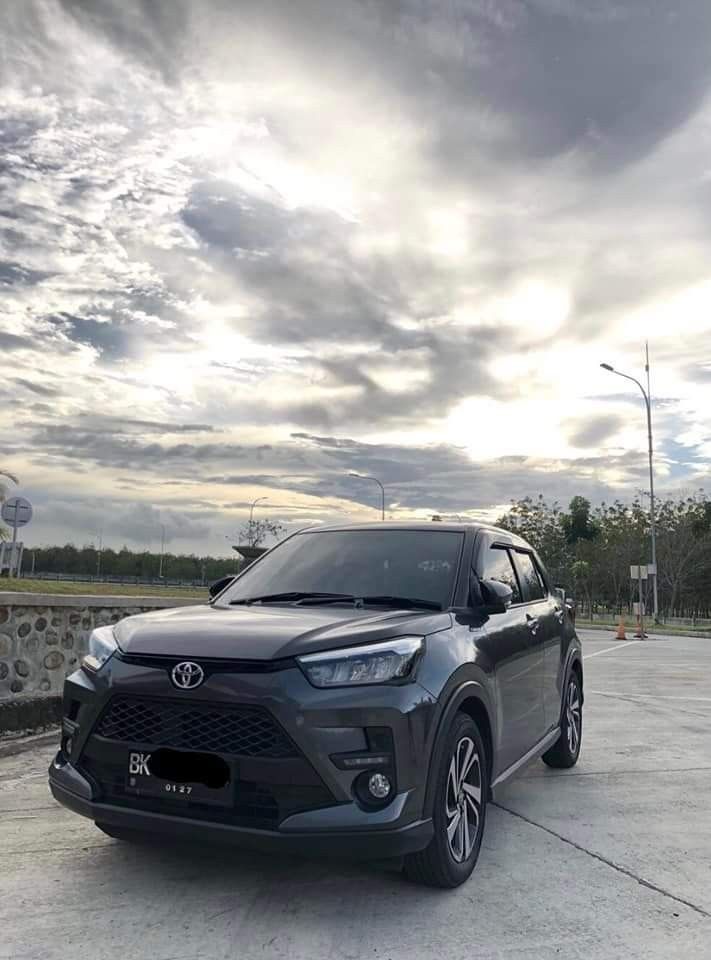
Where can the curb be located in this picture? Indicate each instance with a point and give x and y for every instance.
(13, 747)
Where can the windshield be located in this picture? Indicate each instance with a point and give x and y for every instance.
(416, 564)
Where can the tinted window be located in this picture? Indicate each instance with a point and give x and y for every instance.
(498, 566)
(531, 583)
(420, 564)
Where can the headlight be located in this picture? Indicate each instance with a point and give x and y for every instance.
(374, 663)
(101, 646)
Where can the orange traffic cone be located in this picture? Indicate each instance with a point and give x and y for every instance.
(621, 630)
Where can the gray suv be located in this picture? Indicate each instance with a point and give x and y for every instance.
(358, 690)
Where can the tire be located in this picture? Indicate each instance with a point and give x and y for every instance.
(565, 751)
(125, 834)
(461, 792)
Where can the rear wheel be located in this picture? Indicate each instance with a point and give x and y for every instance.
(566, 750)
(459, 810)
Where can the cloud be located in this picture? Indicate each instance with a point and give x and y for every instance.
(14, 341)
(41, 389)
(594, 431)
(253, 246)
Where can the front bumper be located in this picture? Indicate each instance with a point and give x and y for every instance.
(314, 809)
(327, 832)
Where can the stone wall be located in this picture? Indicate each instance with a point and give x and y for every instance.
(42, 640)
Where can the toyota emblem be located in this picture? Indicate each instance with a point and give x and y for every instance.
(187, 675)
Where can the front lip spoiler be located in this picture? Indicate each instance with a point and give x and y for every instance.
(360, 845)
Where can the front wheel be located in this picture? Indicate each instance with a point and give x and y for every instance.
(566, 750)
(459, 810)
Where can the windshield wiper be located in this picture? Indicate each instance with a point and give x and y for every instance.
(385, 599)
(292, 595)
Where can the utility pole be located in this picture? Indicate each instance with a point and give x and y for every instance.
(652, 508)
(98, 553)
(647, 394)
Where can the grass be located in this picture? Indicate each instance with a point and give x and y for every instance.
(70, 587)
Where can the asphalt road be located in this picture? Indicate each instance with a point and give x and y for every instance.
(609, 860)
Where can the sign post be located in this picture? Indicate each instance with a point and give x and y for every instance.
(639, 572)
(16, 511)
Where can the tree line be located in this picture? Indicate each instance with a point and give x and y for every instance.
(144, 564)
(589, 550)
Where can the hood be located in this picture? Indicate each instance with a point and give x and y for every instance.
(266, 632)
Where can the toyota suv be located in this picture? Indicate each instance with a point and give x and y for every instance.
(358, 690)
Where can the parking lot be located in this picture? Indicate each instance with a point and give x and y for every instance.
(610, 859)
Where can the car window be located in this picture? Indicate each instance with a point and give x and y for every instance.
(420, 564)
(531, 582)
(497, 565)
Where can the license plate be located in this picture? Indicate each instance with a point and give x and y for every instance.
(141, 782)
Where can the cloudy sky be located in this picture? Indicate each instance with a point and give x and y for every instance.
(246, 247)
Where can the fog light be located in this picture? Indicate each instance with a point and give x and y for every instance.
(379, 786)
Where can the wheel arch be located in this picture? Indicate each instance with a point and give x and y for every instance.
(469, 698)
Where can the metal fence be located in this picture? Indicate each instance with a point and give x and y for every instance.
(609, 616)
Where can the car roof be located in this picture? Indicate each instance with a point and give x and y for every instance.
(429, 525)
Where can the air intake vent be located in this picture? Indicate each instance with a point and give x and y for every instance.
(237, 731)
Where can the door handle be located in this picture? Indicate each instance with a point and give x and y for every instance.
(533, 623)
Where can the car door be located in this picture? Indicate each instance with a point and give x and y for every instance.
(544, 619)
(515, 654)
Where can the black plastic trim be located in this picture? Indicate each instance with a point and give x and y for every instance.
(355, 844)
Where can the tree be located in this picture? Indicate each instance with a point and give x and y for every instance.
(577, 523)
(581, 571)
(539, 523)
(255, 532)
(622, 540)
(683, 546)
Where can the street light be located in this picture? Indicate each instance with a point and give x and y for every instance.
(98, 552)
(251, 509)
(365, 476)
(162, 551)
(648, 404)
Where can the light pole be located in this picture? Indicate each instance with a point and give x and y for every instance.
(365, 476)
(98, 553)
(653, 525)
(162, 551)
(251, 509)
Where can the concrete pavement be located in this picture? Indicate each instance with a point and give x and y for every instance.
(609, 860)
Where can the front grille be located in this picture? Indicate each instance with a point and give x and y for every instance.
(237, 731)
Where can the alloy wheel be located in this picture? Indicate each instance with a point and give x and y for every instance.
(463, 799)
(573, 715)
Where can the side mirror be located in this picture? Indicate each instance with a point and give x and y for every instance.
(496, 596)
(219, 585)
